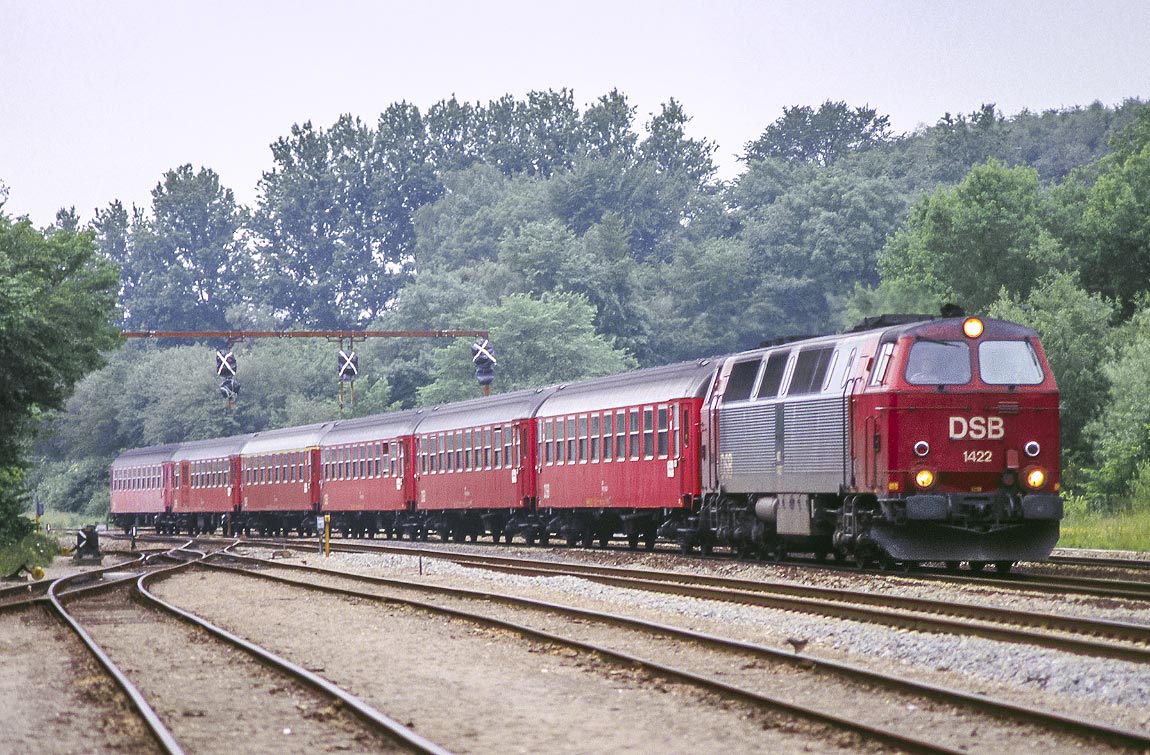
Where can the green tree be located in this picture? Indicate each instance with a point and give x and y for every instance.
(1120, 433)
(1076, 329)
(334, 218)
(57, 299)
(1115, 226)
(185, 264)
(963, 245)
(820, 137)
(549, 340)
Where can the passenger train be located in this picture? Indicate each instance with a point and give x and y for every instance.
(906, 440)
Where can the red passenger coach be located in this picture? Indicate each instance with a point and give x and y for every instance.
(207, 489)
(142, 483)
(281, 485)
(365, 482)
(615, 453)
(475, 470)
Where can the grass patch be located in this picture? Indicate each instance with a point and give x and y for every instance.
(1120, 530)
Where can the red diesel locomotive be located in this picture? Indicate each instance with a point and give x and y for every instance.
(908, 440)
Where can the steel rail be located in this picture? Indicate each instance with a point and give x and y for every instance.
(366, 712)
(159, 731)
(1054, 721)
(915, 614)
(837, 602)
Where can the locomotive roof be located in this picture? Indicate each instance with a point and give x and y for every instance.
(150, 455)
(210, 449)
(286, 439)
(374, 427)
(649, 386)
(489, 410)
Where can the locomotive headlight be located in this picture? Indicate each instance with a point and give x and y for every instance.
(1032, 449)
(972, 327)
(1035, 478)
(924, 478)
(922, 448)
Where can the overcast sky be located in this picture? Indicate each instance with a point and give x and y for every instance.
(99, 99)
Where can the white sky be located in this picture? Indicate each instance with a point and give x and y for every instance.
(99, 99)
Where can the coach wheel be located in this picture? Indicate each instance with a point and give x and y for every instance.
(977, 566)
(821, 555)
(633, 541)
(649, 539)
(1003, 567)
(685, 546)
(544, 538)
(952, 566)
(529, 538)
(604, 539)
(572, 539)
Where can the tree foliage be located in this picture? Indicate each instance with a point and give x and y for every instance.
(820, 137)
(57, 298)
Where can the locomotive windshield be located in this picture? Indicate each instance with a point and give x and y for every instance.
(1008, 363)
(938, 363)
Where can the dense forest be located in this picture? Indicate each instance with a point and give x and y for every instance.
(587, 243)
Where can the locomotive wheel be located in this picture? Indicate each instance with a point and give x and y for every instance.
(777, 552)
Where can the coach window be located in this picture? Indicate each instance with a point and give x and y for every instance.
(594, 438)
(582, 438)
(621, 435)
(633, 433)
(608, 436)
(508, 443)
(648, 433)
(663, 432)
(570, 437)
(497, 447)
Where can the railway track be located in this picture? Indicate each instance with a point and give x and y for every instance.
(1085, 636)
(182, 688)
(745, 669)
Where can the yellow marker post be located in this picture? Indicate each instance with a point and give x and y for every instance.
(327, 534)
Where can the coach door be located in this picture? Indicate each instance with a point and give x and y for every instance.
(183, 485)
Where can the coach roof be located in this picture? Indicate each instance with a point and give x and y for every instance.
(650, 386)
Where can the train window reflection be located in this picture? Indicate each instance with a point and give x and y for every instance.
(938, 363)
(1008, 363)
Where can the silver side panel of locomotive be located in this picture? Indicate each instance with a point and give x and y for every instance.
(788, 442)
(783, 446)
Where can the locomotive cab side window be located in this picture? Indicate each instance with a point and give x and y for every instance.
(810, 370)
(741, 381)
(1008, 363)
(878, 374)
(773, 375)
(938, 363)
